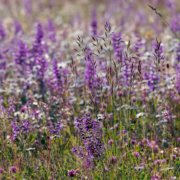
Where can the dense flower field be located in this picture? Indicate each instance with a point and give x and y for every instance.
(90, 89)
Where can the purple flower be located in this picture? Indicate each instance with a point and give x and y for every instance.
(51, 30)
(158, 51)
(15, 130)
(136, 154)
(17, 27)
(55, 128)
(39, 34)
(110, 142)
(138, 46)
(118, 46)
(90, 70)
(177, 69)
(178, 53)
(155, 177)
(153, 146)
(37, 49)
(78, 151)
(108, 26)
(13, 169)
(19, 128)
(113, 160)
(57, 75)
(94, 23)
(88, 163)
(27, 6)
(72, 173)
(175, 23)
(152, 79)
(171, 5)
(41, 65)
(159, 161)
(2, 32)
(21, 55)
(134, 142)
(25, 126)
(91, 135)
(1, 170)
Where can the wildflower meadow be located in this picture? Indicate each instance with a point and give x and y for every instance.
(89, 89)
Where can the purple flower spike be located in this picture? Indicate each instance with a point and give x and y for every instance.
(90, 71)
(175, 24)
(158, 51)
(21, 55)
(17, 27)
(27, 6)
(118, 46)
(177, 68)
(2, 32)
(91, 135)
(15, 130)
(94, 23)
(39, 33)
(51, 30)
